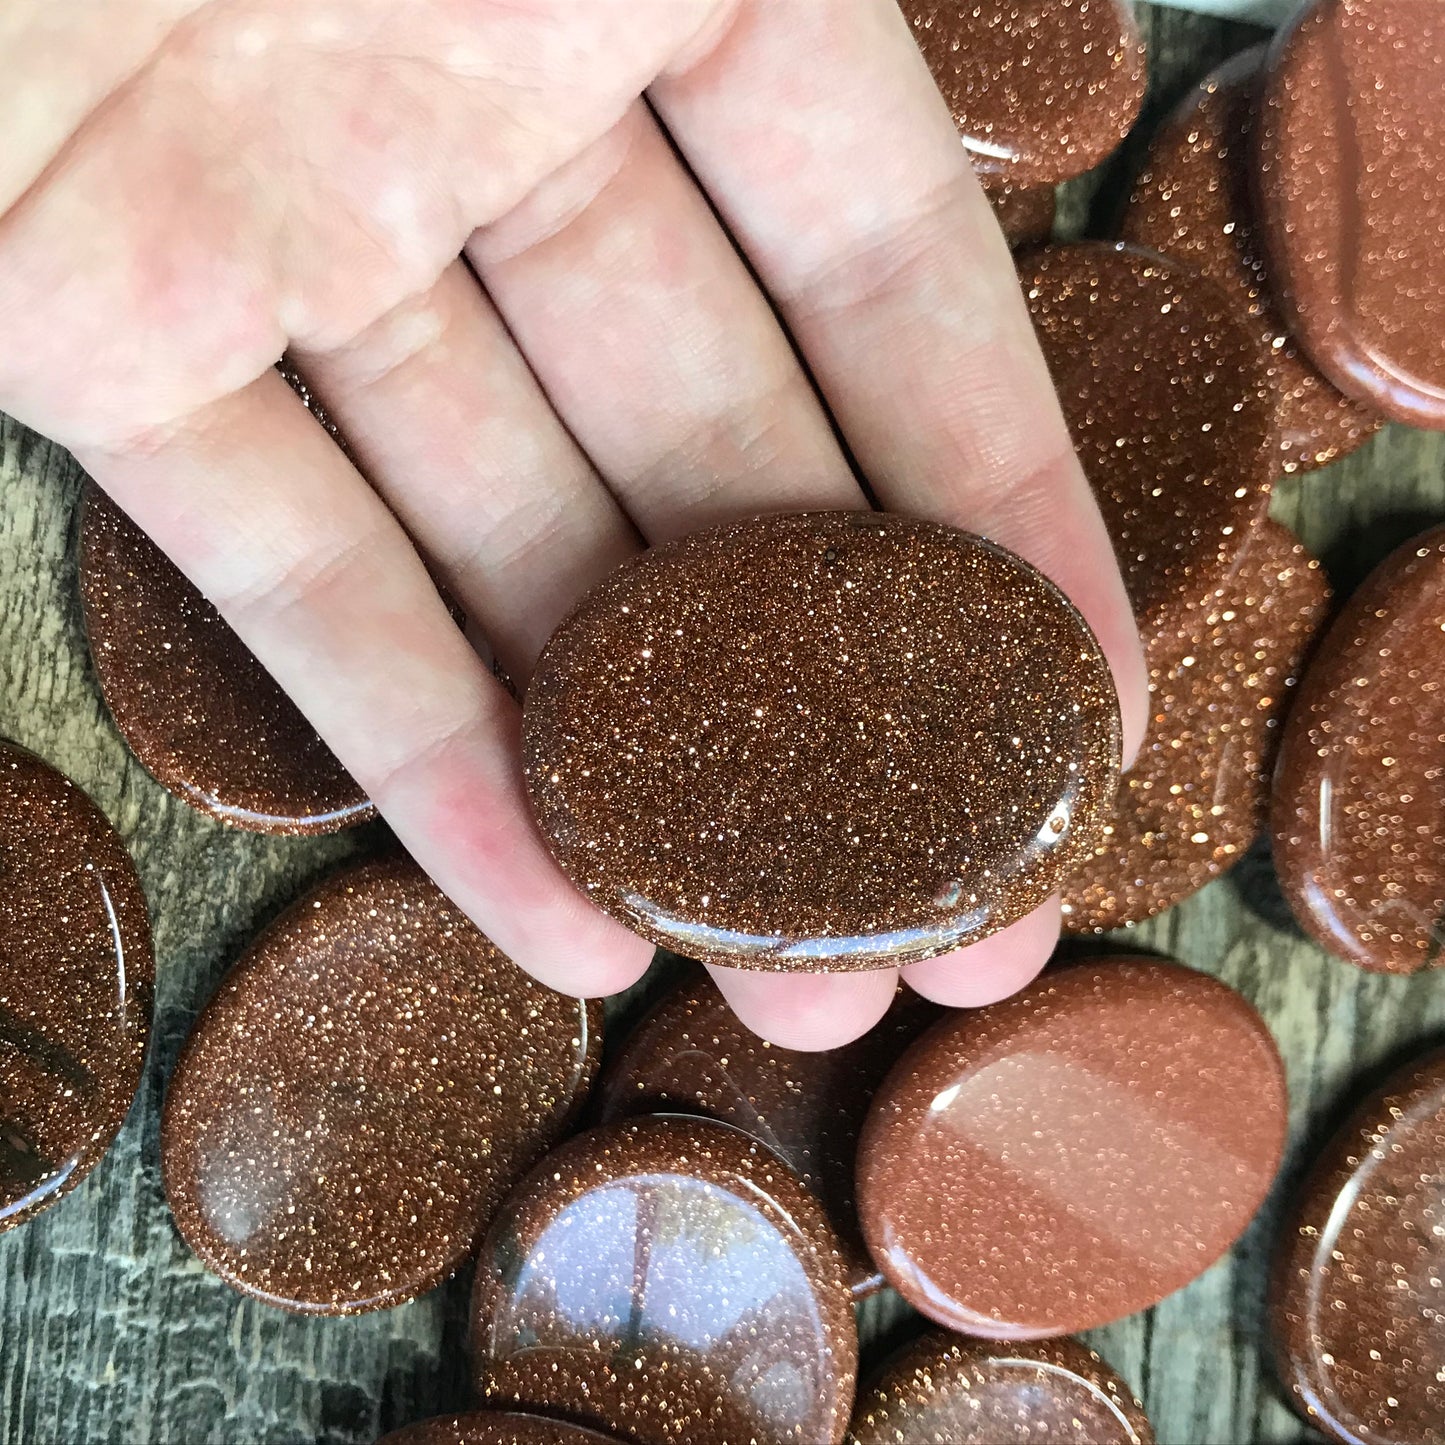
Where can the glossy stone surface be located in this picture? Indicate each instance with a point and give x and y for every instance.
(823, 741)
(942, 1390)
(668, 1279)
(1351, 179)
(1358, 1291)
(77, 980)
(1041, 90)
(1073, 1154)
(1163, 385)
(1358, 814)
(1025, 214)
(691, 1055)
(494, 1427)
(1221, 678)
(194, 705)
(1194, 201)
(361, 1092)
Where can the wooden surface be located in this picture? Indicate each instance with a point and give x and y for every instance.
(111, 1331)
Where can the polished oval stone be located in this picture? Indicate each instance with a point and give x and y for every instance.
(1025, 214)
(1163, 385)
(361, 1092)
(691, 1055)
(1220, 680)
(825, 741)
(77, 981)
(202, 715)
(1073, 1154)
(1351, 179)
(1194, 201)
(495, 1427)
(1041, 90)
(942, 1390)
(1358, 1288)
(669, 1279)
(1358, 814)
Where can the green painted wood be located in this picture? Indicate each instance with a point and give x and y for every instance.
(111, 1332)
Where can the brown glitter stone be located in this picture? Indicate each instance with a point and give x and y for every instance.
(1041, 90)
(1351, 184)
(1025, 214)
(691, 1055)
(1194, 201)
(826, 741)
(1358, 1290)
(1358, 813)
(194, 705)
(1220, 679)
(671, 1280)
(941, 1390)
(77, 978)
(365, 1086)
(494, 1427)
(1072, 1154)
(1163, 385)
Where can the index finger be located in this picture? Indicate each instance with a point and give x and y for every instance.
(822, 140)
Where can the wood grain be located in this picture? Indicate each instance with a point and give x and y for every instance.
(111, 1332)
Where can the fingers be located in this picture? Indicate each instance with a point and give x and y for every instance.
(257, 505)
(656, 346)
(992, 969)
(452, 428)
(810, 1012)
(819, 135)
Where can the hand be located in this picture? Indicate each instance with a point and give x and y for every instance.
(465, 221)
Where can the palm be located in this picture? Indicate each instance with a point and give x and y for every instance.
(224, 181)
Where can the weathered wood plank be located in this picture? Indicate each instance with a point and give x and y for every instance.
(110, 1331)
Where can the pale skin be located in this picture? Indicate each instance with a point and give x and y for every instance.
(465, 221)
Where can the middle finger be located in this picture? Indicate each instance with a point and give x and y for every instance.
(656, 346)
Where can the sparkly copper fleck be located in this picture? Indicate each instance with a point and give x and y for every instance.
(1351, 181)
(1358, 814)
(77, 978)
(691, 1055)
(1220, 679)
(1358, 1288)
(191, 700)
(668, 1279)
(1025, 214)
(1194, 201)
(360, 1093)
(826, 741)
(1041, 90)
(942, 1390)
(1073, 1154)
(494, 1427)
(1164, 390)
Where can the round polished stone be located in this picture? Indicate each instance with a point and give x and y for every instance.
(824, 741)
(77, 979)
(194, 705)
(1358, 814)
(1073, 1154)
(691, 1055)
(1221, 678)
(495, 1427)
(1194, 201)
(1358, 1289)
(942, 1390)
(1351, 180)
(361, 1092)
(1041, 90)
(1025, 214)
(669, 1279)
(1164, 389)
